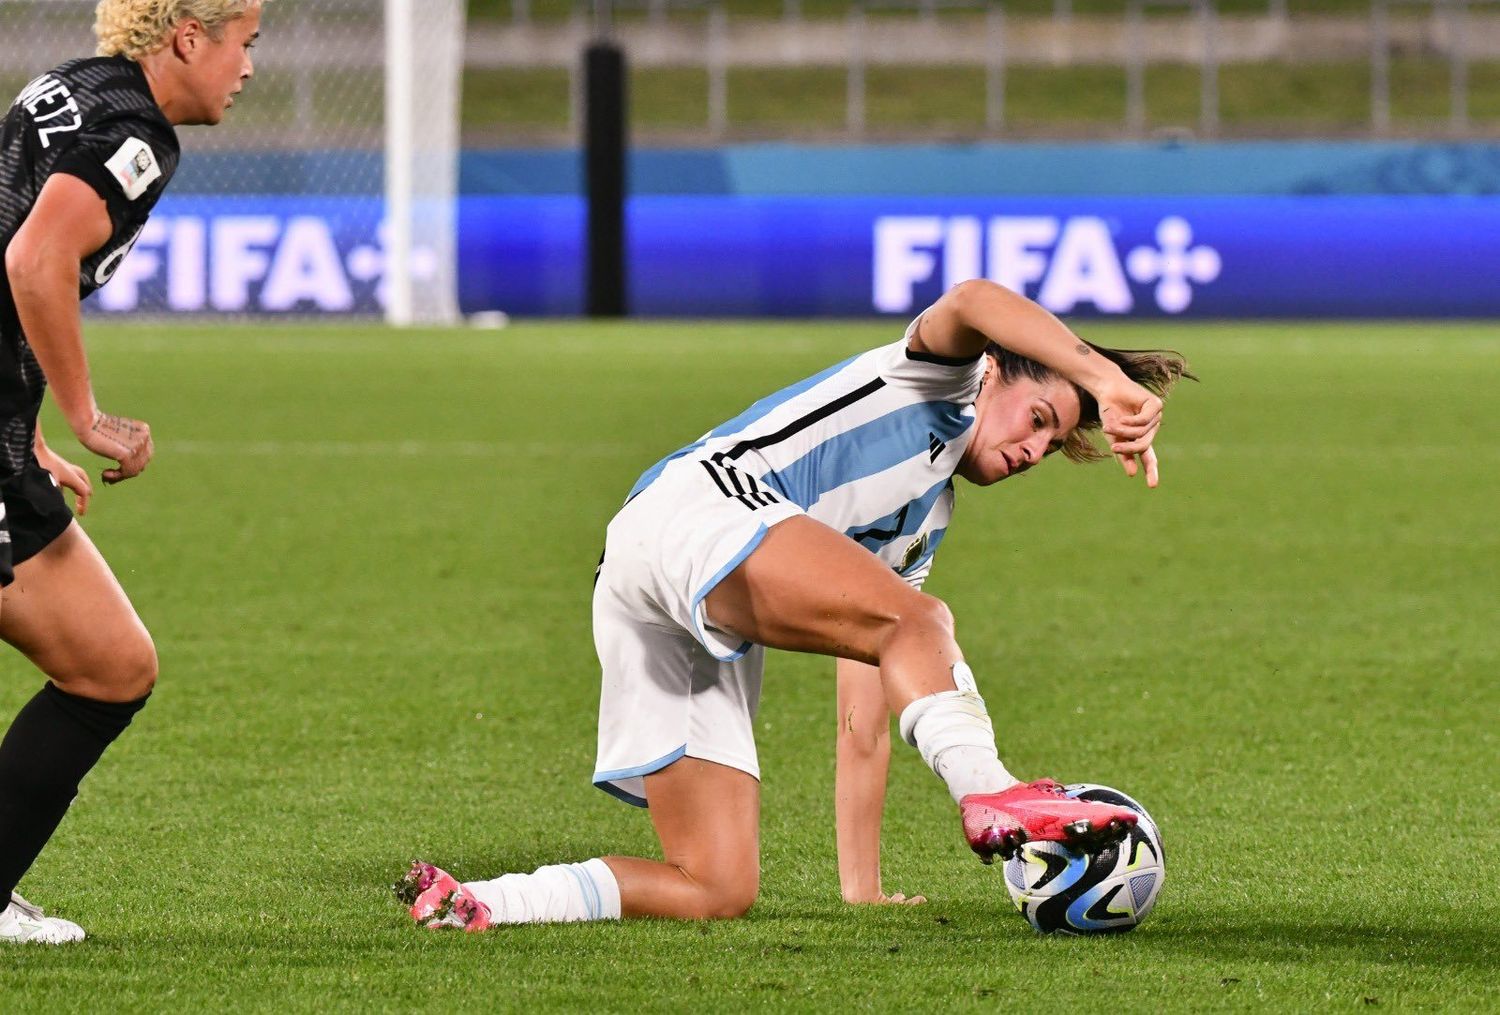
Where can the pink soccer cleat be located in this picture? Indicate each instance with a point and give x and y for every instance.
(438, 900)
(1041, 811)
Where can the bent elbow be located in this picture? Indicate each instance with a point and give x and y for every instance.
(15, 263)
(973, 290)
(34, 271)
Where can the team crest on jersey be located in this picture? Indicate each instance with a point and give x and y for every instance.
(913, 552)
(134, 167)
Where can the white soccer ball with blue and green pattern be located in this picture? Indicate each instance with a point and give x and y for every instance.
(1063, 892)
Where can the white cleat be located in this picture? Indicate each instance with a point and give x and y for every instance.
(22, 922)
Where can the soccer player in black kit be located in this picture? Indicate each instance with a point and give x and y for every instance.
(85, 152)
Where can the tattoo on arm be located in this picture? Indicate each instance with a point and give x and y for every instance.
(1082, 348)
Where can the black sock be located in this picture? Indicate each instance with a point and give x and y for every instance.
(55, 739)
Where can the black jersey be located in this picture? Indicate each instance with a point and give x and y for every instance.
(94, 119)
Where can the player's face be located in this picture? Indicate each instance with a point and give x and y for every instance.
(1016, 425)
(221, 68)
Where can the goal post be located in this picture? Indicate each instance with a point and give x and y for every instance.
(424, 56)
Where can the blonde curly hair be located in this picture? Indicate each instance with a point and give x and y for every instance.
(137, 28)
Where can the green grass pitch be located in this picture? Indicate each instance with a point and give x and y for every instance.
(366, 558)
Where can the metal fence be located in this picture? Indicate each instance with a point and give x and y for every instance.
(987, 35)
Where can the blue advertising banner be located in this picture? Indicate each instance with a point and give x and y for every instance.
(1143, 256)
(717, 255)
(232, 254)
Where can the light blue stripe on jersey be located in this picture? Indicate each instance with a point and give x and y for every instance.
(649, 476)
(770, 403)
(756, 412)
(916, 513)
(867, 449)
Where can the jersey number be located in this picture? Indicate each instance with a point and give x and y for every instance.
(47, 90)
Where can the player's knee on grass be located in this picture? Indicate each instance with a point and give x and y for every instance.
(727, 898)
(718, 888)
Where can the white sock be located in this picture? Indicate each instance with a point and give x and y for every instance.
(560, 893)
(953, 732)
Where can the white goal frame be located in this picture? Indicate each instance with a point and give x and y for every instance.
(421, 157)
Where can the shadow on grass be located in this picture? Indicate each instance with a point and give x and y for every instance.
(1275, 941)
(1325, 939)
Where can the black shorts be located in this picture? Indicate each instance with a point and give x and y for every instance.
(32, 514)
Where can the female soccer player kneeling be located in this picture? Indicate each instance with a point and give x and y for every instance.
(808, 523)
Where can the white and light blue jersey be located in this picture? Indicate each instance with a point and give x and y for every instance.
(868, 447)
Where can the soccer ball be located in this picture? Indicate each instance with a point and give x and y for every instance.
(1059, 891)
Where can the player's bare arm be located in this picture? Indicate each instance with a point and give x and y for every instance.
(68, 475)
(89, 155)
(863, 761)
(974, 313)
(69, 223)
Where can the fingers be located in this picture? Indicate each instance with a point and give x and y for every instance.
(1123, 422)
(128, 441)
(1135, 446)
(78, 481)
(136, 462)
(129, 468)
(1133, 428)
(1148, 460)
(1149, 415)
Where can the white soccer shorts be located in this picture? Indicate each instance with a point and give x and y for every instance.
(674, 685)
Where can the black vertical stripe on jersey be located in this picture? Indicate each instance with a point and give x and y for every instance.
(753, 497)
(742, 495)
(717, 481)
(755, 490)
(734, 479)
(935, 447)
(765, 498)
(798, 425)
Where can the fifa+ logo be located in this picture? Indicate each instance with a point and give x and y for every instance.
(1174, 264)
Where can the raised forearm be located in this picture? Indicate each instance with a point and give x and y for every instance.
(974, 313)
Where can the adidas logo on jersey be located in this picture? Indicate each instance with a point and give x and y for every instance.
(935, 447)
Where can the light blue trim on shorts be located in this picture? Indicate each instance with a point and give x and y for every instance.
(708, 586)
(605, 780)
